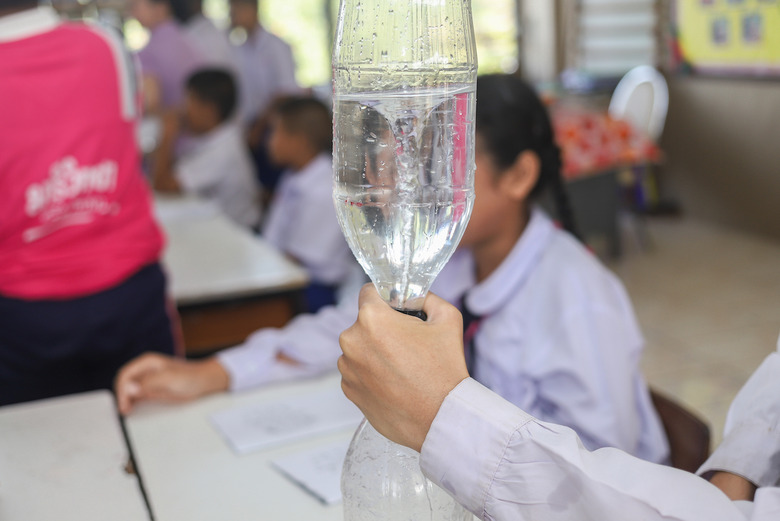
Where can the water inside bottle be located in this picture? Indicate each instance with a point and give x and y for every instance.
(403, 167)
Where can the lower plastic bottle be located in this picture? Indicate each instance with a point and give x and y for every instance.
(382, 481)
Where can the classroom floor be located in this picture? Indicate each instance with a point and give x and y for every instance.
(708, 301)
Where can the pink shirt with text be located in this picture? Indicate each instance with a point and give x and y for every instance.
(75, 217)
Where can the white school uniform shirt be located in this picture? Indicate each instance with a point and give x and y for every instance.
(302, 222)
(220, 169)
(267, 70)
(511, 466)
(559, 339)
(212, 43)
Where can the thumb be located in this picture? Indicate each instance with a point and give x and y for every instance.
(439, 310)
(127, 393)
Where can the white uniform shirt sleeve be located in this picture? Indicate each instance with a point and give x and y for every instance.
(302, 223)
(312, 340)
(503, 464)
(316, 239)
(751, 439)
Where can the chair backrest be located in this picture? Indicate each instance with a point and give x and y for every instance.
(689, 435)
(641, 98)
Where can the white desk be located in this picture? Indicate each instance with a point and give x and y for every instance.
(64, 459)
(190, 472)
(209, 258)
(226, 282)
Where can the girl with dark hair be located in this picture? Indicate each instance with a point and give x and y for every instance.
(512, 119)
(547, 326)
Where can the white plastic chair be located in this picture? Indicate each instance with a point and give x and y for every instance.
(641, 98)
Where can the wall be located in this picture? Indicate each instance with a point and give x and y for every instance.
(539, 48)
(722, 142)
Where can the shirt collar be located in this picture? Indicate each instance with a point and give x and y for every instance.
(492, 293)
(313, 167)
(25, 24)
(163, 30)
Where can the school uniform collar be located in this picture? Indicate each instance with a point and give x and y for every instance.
(27, 23)
(257, 35)
(320, 161)
(164, 30)
(224, 131)
(490, 295)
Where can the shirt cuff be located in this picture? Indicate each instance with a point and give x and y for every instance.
(249, 364)
(477, 425)
(254, 363)
(744, 452)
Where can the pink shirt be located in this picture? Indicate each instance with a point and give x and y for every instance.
(75, 216)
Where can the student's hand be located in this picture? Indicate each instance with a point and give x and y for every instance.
(152, 95)
(171, 124)
(154, 376)
(398, 369)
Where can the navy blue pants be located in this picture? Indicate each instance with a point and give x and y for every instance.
(317, 296)
(55, 347)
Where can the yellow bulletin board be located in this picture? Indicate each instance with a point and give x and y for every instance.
(729, 36)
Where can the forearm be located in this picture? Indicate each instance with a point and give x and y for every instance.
(751, 441)
(735, 487)
(511, 466)
(213, 376)
(163, 177)
(305, 347)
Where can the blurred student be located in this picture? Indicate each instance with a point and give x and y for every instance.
(212, 43)
(266, 62)
(168, 57)
(557, 335)
(553, 330)
(81, 290)
(267, 72)
(410, 380)
(219, 168)
(301, 220)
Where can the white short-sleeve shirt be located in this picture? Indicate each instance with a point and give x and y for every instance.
(266, 69)
(302, 222)
(220, 169)
(212, 43)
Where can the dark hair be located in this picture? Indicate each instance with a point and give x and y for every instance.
(308, 116)
(215, 86)
(180, 9)
(16, 4)
(248, 2)
(512, 119)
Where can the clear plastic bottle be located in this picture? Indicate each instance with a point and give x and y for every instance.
(382, 481)
(404, 76)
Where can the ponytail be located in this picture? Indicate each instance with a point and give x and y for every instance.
(550, 178)
(512, 119)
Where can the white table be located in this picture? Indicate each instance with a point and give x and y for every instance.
(190, 472)
(226, 281)
(209, 258)
(64, 459)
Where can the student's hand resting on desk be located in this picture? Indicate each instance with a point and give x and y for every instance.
(158, 377)
(398, 369)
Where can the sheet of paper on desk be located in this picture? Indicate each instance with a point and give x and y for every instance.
(317, 470)
(261, 425)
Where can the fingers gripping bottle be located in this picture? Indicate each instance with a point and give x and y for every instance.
(404, 77)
